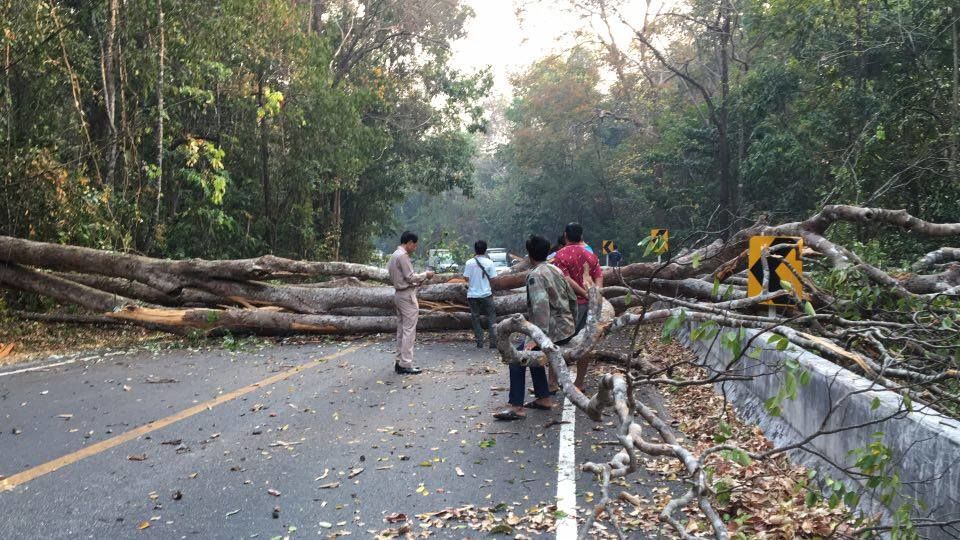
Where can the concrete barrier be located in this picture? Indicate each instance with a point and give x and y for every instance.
(925, 444)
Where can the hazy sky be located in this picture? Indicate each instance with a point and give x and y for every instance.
(496, 37)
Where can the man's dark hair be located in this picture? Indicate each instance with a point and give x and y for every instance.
(559, 245)
(574, 232)
(480, 247)
(408, 236)
(538, 248)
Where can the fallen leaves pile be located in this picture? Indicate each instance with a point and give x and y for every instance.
(758, 499)
(500, 519)
(33, 340)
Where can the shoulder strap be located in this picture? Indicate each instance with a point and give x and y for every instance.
(482, 269)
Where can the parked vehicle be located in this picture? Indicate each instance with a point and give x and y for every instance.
(501, 261)
(441, 260)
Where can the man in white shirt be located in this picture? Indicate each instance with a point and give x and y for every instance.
(478, 272)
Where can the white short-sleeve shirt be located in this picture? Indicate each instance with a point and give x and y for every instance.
(479, 284)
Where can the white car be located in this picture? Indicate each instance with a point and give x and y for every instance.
(501, 261)
(441, 260)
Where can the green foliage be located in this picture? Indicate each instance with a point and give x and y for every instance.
(276, 138)
(828, 103)
(236, 344)
(794, 376)
(672, 324)
(705, 331)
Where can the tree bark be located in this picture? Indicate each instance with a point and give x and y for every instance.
(723, 132)
(17, 277)
(110, 88)
(264, 154)
(156, 215)
(167, 275)
(267, 322)
(187, 297)
(105, 281)
(938, 256)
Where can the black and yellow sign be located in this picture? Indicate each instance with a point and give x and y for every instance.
(657, 236)
(777, 263)
(608, 247)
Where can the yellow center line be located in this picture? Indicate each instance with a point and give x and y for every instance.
(12, 482)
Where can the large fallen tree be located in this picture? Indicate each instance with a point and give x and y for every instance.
(897, 328)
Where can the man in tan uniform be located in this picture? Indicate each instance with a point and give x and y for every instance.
(405, 299)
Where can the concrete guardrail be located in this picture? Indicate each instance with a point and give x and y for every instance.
(924, 443)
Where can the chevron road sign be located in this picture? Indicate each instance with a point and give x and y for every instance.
(779, 262)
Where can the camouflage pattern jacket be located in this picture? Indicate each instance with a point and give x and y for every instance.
(552, 303)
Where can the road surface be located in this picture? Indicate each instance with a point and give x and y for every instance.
(294, 440)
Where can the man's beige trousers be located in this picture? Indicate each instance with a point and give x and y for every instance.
(408, 311)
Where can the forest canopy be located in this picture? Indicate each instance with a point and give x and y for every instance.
(231, 128)
(318, 129)
(707, 115)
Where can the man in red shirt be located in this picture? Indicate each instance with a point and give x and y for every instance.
(576, 261)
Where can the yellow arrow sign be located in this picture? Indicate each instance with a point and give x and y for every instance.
(784, 265)
(661, 240)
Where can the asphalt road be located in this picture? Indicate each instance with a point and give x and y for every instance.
(278, 441)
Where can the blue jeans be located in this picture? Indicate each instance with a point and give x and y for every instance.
(518, 383)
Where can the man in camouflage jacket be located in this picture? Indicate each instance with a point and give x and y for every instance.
(552, 305)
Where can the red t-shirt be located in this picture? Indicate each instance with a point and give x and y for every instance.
(570, 259)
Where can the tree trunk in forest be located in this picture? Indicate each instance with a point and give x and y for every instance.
(8, 102)
(265, 166)
(77, 100)
(337, 223)
(723, 151)
(156, 215)
(955, 103)
(107, 62)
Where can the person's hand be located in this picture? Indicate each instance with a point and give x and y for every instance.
(529, 345)
(430, 274)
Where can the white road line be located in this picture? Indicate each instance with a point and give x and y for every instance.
(48, 366)
(567, 474)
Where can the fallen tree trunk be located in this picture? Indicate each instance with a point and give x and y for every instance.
(170, 275)
(187, 297)
(103, 281)
(25, 279)
(939, 256)
(295, 298)
(269, 322)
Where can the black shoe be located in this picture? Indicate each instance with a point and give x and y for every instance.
(407, 370)
(493, 345)
(480, 345)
